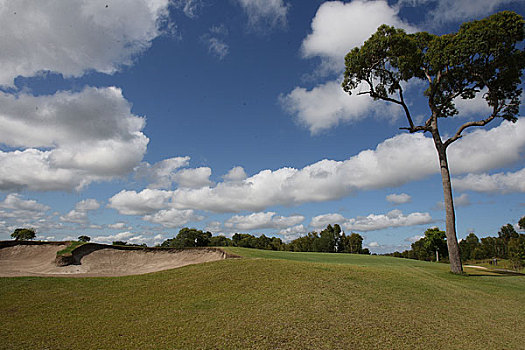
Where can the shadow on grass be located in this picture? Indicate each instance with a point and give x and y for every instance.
(495, 273)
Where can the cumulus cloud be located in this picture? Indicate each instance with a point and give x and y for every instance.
(193, 178)
(338, 27)
(119, 226)
(235, 174)
(161, 175)
(291, 233)
(392, 163)
(68, 139)
(413, 239)
(79, 215)
(401, 198)
(146, 202)
(256, 221)
(327, 105)
(321, 221)
(462, 200)
(130, 237)
(499, 182)
(394, 218)
(173, 218)
(263, 14)
(14, 201)
(372, 222)
(15, 211)
(75, 36)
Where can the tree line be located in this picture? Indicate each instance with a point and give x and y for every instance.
(509, 244)
(330, 240)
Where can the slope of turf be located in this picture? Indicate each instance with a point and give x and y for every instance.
(274, 300)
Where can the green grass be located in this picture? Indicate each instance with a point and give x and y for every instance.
(270, 300)
(71, 246)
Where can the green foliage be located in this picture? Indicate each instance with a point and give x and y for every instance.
(435, 242)
(521, 223)
(23, 234)
(70, 247)
(119, 243)
(482, 54)
(330, 240)
(188, 238)
(508, 245)
(84, 238)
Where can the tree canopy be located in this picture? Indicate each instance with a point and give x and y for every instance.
(23, 234)
(481, 57)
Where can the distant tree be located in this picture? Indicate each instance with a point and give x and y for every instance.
(219, 241)
(119, 243)
(434, 241)
(24, 234)
(483, 55)
(516, 251)
(521, 223)
(356, 243)
(468, 246)
(84, 238)
(327, 240)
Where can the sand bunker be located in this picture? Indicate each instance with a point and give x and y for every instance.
(39, 260)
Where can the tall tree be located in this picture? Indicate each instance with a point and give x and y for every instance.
(482, 56)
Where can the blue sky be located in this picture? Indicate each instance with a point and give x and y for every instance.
(128, 120)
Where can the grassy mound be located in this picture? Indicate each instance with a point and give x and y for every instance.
(270, 300)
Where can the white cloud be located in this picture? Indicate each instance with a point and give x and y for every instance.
(87, 204)
(217, 47)
(189, 7)
(146, 202)
(482, 149)
(372, 222)
(373, 244)
(291, 233)
(338, 27)
(131, 238)
(173, 218)
(261, 220)
(75, 36)
(69, 139)
(446, 11)
(321, 221)
(414, 238)
(499, 182)
(119, 226)
(392, 163)
(394, 218)
(263, 14)
(461, 201)
(214, 227)
(193, 178)
(401, 198)
(161, 175)
(235, 174)
(79, 215)
(327, 105)
(75, 216)
(14, 201)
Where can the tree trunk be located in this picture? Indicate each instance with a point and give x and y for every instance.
(452, 240)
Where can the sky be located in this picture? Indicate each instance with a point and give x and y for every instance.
(131, 119)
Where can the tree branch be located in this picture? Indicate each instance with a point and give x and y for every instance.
(470, 124)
